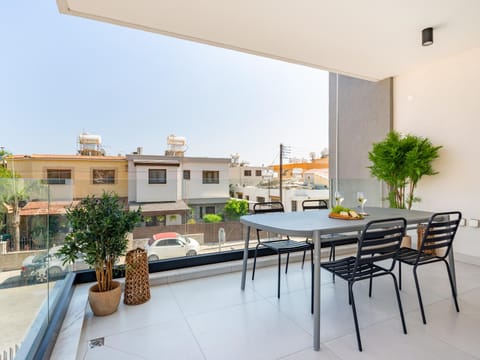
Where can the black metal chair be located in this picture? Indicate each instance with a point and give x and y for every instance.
(379, 241)
(280, 246)
(438, 237)
(334, 239)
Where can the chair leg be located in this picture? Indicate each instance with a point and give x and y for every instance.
(288, 258)
(400, 275)
(357, 329)
(452, 285)
(417, 285)
(279, 267)
(349, 296)
(332, 256)
(303, 259)
(254, 262)
(399, 300)
(370, 286)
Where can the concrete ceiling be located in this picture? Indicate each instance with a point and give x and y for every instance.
(369, 39)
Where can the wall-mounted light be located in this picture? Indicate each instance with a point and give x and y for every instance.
(427, 36)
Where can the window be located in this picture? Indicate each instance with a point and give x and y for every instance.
(294, 205)
(247, 197)
(102, 176)
(186, 174)
(258, 172)
(58, 176)
(247, 172)
(157, 176)
(260, 199)
(211, 177)
(239, 195)
(210, 210)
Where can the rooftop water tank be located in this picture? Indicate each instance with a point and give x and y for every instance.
(90, 145)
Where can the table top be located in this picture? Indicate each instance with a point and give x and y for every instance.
(304, 223)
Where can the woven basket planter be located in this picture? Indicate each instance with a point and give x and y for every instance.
(137, 285)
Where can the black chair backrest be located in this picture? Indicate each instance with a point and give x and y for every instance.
(440, 232)
(380, 240)
(268, 207)
(314, 204)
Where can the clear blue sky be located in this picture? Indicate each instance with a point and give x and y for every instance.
(61, 75)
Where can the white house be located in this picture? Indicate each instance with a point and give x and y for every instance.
(174, 185)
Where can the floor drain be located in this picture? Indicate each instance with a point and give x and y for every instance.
(96, 342)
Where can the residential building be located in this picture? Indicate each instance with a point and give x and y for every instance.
(242, 174)
(292, 196)
(74, 176)
(178, 186)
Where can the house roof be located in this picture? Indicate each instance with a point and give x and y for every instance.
(64, 157)
(369, 39)
(46, 208)
(160, 206)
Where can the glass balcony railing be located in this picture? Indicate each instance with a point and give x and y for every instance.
(31, 228)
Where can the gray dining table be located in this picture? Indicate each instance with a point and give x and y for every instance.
(317, 225)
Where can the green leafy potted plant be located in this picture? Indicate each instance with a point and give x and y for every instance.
(99, 234)
(401, 161)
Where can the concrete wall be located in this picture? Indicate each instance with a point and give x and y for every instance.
(13, 260)
(364, 117)
(441, 101)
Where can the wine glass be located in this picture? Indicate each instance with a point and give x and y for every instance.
(361, 200)
(338, 198)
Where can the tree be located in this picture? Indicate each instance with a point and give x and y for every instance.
(212, 218)
(401, 162)
(13, 193)
(235, 208)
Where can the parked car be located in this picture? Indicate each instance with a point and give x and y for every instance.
(48, 264)
(31, 264)
(171, 244)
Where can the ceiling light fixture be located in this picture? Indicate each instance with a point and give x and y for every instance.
(427, 36)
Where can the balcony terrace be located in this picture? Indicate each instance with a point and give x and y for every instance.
(381, 79)
(211, 318)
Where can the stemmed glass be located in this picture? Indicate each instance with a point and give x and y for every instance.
(338, 198)
(361, 200)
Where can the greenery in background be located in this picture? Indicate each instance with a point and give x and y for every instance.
(13, 194)
(235, 208)
(212, 218)
(99, 228)
(401, 161)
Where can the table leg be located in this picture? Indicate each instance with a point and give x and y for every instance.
(316, 292)
(245, 258)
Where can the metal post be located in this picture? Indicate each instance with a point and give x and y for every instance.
(281, 172)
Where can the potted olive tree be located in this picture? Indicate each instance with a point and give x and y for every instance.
(401, 161)
(99, 234)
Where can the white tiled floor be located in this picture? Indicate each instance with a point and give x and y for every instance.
(211, 318)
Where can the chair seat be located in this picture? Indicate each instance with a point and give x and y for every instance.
(286, 245)
(409, 256)
(344, 268)
(338, 239)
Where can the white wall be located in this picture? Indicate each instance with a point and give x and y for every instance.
(237, 175)
(442, 102)
(156, 192)
(195, 189)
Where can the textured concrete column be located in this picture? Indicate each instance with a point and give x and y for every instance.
(360, 113)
